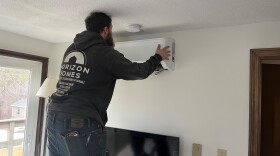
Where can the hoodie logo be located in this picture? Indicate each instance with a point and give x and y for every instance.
(73, 71)
(74, 66)
(75, 57)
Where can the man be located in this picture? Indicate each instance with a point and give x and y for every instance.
(90, 68)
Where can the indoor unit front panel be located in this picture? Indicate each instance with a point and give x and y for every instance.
(142, 50)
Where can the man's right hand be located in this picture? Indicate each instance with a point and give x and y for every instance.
(164, 52)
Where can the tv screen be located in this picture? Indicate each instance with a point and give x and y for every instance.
(121, 142)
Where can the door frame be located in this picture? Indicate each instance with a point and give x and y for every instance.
(41, 110)
(257, 57)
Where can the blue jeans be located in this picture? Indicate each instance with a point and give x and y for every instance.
(68, 136)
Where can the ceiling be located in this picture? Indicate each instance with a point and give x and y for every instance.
(59, 20)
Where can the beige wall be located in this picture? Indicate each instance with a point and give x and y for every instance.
(205, 100)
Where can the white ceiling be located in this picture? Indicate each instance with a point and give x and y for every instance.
(59, 20)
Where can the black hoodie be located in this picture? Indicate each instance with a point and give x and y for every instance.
(88, 76)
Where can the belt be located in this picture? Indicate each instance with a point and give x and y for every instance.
(75, 120)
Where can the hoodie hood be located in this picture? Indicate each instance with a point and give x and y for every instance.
(87, 39)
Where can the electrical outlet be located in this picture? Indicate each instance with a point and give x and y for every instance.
(196, 149)
(221, 152)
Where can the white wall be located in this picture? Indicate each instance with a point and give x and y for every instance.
(23, 44)
(205, 100)
(56, 59)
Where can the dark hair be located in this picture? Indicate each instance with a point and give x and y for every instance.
(96, 21)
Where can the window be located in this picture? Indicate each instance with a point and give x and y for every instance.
(21, 112)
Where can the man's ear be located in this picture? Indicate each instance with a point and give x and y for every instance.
(104, 32)
(107, 29)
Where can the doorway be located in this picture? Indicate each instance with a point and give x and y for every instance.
(21, 114)
(264, 132)
(270, 124)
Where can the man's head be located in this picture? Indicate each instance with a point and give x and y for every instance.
(101, 23)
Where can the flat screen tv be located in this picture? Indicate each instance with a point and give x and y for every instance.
(121, 142)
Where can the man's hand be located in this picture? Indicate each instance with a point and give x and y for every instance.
(164, 53)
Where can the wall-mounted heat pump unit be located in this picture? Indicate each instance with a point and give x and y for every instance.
(142, 50)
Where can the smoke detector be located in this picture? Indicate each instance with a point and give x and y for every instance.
(133, 28)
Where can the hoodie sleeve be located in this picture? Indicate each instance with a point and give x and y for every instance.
(122, 68)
